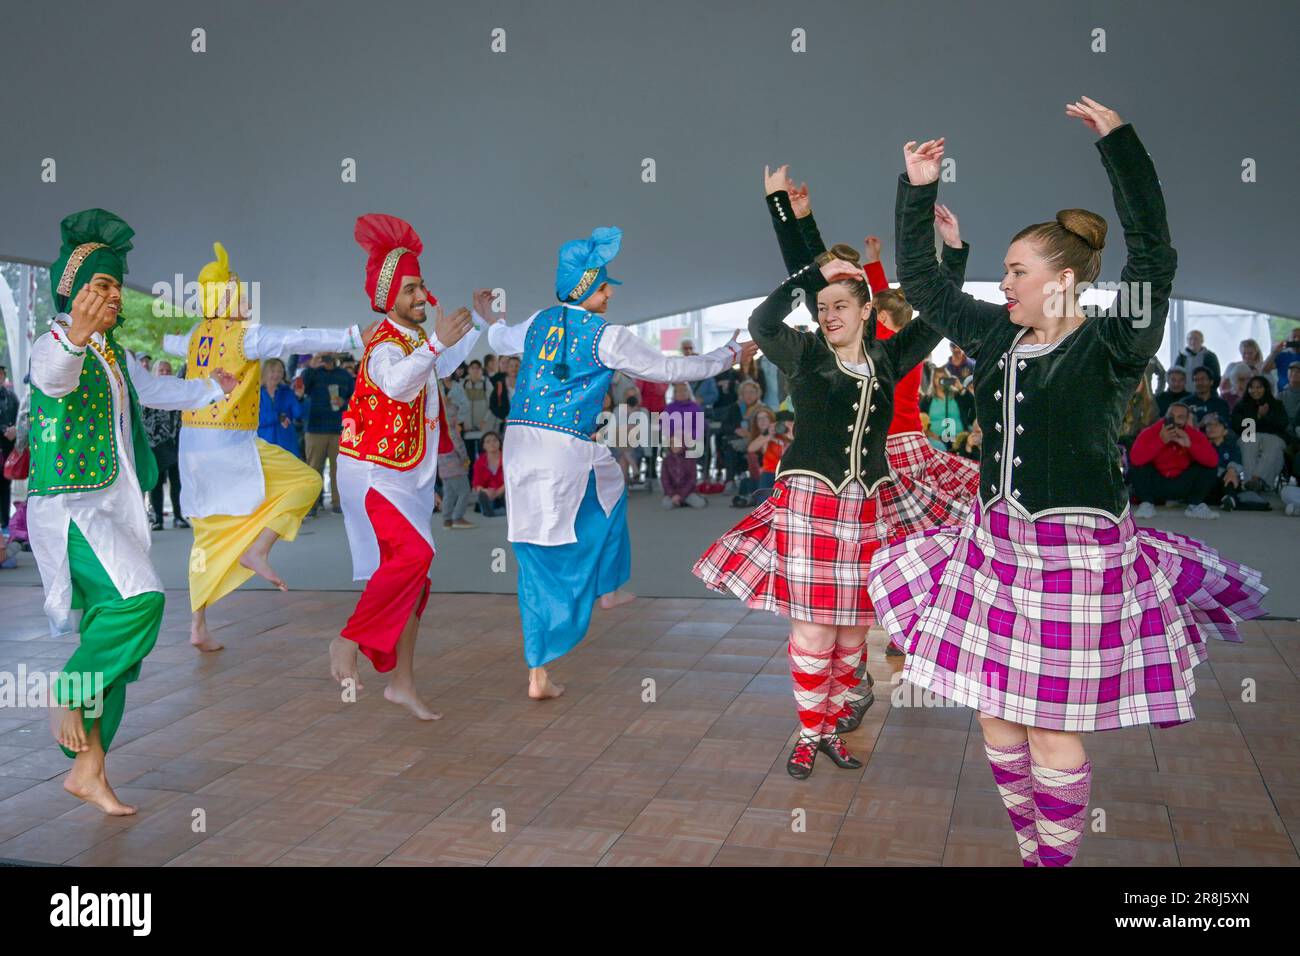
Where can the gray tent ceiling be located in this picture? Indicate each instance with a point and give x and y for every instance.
(497, 158)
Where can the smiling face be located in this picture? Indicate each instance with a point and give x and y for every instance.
(1032, 285)
(599, 300)
(1177, 380)
(840, 315)
(110, 289)
(1256, 389)
(1195, 340)
(409, 308)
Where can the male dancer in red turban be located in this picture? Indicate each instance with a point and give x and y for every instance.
(393, 432)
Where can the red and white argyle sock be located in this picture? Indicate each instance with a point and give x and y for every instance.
(811, 674)
(844, 683)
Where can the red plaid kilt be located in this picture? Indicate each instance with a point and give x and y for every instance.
(803, 553)
(930, 489)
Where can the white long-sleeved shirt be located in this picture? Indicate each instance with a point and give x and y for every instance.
(111, 519)
(411, 492)
(547, 470)
(221, 471)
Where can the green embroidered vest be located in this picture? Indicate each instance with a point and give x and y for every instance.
(72, 440)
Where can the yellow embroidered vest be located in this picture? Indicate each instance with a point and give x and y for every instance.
(219, 343)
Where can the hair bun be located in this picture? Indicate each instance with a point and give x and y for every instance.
(1088, 226)
(842, 250)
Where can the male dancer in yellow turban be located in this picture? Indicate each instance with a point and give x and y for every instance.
(239, 492)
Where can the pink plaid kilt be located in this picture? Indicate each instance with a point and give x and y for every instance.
(803, 553)
(1070, 623)
(930, 489)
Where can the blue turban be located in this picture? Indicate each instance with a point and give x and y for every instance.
(582, 264)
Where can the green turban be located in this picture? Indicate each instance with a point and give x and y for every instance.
(94, 240)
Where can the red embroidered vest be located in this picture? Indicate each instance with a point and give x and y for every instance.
(378, 428)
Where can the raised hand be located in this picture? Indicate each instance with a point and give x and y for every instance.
(949, 229)
(227, 381)
(483, 299)
(747, 351)
(450, 329)
(835, 269)
(774, 181)
(1096, 117)
(923, 161)
(91, 313)
(872, 244)
(799, 200)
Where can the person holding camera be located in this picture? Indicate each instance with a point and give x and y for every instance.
(1173, 461)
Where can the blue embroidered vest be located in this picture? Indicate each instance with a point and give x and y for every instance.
(569, 337)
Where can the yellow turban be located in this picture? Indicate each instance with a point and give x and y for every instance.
(220, 287)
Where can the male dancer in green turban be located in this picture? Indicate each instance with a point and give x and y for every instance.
(91, 464)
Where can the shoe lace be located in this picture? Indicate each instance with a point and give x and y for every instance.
(804, 752)
(836, 744)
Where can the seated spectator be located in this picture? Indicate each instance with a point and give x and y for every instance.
(1204, 399)
(772, 436)
(1290, 396)
(678, 478)
(489, 482)
(1251, 362)
(1284, 354)
(1140, 413)
(761, 424)
(970, 443)
(1175, 390)
(1229, 469)
(1261, 424)
(1170, 461)
(735, 433)
(706, 389)
(281, 409)
(1236, 387)
(1196, 355)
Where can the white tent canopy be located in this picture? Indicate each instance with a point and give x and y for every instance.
(655, 118)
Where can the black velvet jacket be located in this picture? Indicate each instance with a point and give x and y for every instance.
(842, 416)
(1051, 420)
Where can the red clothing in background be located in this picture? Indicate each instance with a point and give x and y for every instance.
(1171, 460)
(653, 394)
(485, 477)
(907, 391)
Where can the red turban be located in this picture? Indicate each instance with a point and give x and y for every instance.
(393, 248)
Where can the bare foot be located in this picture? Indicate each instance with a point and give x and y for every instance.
(411, 701)
(610, 601)
(540, 685)
(202, 638)
(260, 564)
(343, 661)
(94, 789)
(69, 729)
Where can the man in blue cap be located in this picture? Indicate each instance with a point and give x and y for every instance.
(566, 501)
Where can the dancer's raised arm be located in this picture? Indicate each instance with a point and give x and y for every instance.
(1135, 323)
(959, 316)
